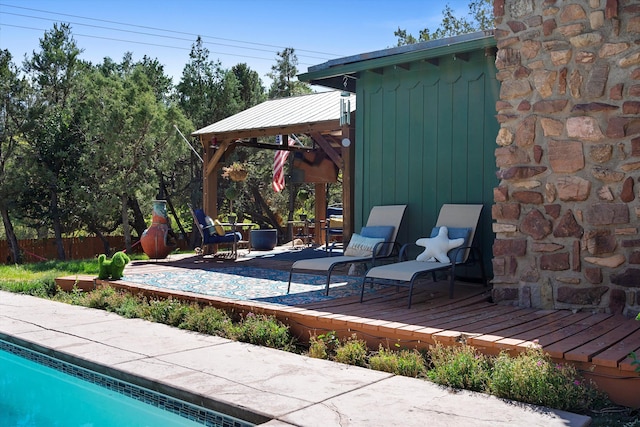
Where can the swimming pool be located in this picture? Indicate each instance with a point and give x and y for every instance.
(38, 390)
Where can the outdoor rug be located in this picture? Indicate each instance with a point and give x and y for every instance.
(287, 254)
(250, 283)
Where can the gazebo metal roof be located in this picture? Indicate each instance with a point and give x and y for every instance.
(284, 115)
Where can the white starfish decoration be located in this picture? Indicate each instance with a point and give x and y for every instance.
(436, 248)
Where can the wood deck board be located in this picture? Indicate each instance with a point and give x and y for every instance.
(617, 352)
(578, 338)
(529, 331)
(626, 364)
(515, 318)
(479, 319)
(621, 329)
(538, 329)
(571, 329)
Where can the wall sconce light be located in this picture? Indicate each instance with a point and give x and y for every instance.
(345, 104)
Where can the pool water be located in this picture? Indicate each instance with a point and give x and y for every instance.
(35, 395)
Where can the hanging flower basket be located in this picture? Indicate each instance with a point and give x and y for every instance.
(238, 175)
(236, 172)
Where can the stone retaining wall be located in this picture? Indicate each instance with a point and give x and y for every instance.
(567, 207)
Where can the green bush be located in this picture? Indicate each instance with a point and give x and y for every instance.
(129, 306)
(207, 320)
(263, 330)
(352, 351)
(323, 346)
(168, 311)
(532, 377)
(409, 363)
(458, 367)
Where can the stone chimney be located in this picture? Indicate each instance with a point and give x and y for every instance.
(568, 155)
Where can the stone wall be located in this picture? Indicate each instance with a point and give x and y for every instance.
(567, 207)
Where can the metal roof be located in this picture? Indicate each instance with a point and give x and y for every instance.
(281, 113)
(331, 73)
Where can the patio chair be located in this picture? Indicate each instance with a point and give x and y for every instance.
(461, 222)
(332, 226)
(213, 233)
(377, 240)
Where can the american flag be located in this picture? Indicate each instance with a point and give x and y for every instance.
(279, 159)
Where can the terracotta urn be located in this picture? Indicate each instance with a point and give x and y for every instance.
(156, 241)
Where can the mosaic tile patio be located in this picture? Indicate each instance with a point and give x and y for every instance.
(250, 283)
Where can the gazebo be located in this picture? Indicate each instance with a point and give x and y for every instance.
(326, 117)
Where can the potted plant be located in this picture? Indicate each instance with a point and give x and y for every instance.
(231, 194)
(235, 172)
(303, 196)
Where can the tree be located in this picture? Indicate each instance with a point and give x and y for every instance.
(481, 18)
(251, 90)
(13, 112)
(206, 92)
(51, 132)
(134, 142)
(283, 74)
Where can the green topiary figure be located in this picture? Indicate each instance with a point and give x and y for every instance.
(114, 268)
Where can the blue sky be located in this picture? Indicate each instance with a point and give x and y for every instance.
(234, 31)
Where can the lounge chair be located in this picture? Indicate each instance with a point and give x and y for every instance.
(213, 233)
(461, 222)
(376, 240)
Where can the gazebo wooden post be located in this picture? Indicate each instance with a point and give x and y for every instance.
(320, 212)
(209, 182)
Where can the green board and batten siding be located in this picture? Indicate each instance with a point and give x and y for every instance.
(426, 136)
(425, 129)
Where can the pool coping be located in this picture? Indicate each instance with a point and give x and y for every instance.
(243, 380)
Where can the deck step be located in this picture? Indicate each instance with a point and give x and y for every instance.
(83, 282)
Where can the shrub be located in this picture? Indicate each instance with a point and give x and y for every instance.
(532, 377)
(168, 311)
(458, 367)
(207, 320)
(101, 298)
(129, 306)
(323, 346)
(408, 363)
(352, 351)
(263, 330)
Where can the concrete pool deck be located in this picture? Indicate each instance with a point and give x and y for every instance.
(258, 384)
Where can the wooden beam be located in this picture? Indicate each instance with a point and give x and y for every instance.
(268, 146)
(209, 187)
(320, 212)
(211, 164)
(326, 146)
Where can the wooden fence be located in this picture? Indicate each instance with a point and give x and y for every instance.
(34, 250)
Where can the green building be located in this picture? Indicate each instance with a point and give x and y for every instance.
(425, 129)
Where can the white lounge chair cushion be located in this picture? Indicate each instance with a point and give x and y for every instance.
(436, 248)
(324, 264)
(363, 246)
(405, 270)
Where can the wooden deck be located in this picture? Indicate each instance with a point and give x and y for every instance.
(598, 344)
